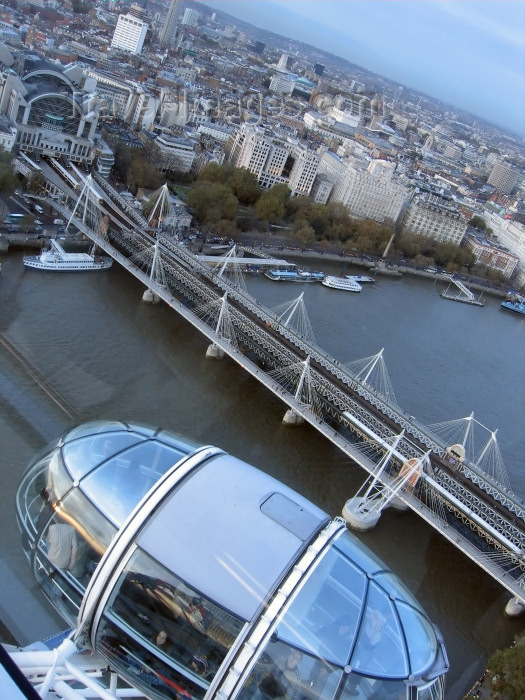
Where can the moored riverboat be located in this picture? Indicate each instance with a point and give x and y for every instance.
(342, 283)
(56, 259)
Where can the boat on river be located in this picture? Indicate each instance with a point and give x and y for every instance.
(293, 275)
(517, 306)
(361, 279)
(343, 283)
(56, 259)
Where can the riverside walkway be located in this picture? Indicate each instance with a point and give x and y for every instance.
(472, 509)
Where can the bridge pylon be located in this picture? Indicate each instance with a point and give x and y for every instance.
(223, 329)
(303, 395)
(362, 512)
(157, 275)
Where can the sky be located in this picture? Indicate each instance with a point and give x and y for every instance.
(468, 53)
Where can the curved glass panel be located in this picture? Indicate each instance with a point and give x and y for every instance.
(59, 481)
(287, 673)
(94, 427)
(145, 663)
(88, 521)
(120, 483)
(373, 689)
(361, 556)
(171, 619)
(34, 508)
(380, 649)
(396, 589)
(423, 645)
(324, 617)
(83, 455)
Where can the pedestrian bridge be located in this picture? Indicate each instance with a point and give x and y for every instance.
(458, 487)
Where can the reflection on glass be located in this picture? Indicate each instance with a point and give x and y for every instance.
(120, 483)
(324, 617)
(152, 671)
(380, 649)
(286, 673)
(171, 618)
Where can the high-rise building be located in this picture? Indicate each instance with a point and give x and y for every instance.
(129, 34)
(319, 69)
(503, 177)
(169, 29)
(283, 62)
(273, 160)
(259, 47)
(190, 17)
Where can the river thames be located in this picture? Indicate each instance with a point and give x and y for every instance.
(84, 347)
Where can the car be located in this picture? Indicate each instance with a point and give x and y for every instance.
(62, 229)
(38, 222)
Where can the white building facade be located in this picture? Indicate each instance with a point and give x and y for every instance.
(273, 160)
(370, 193)
(432, 215)
(129, 34)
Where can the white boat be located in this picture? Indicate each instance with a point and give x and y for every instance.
(347, 285)
(56, 259)
(361, 279)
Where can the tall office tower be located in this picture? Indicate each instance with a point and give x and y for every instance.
(503, 177)
(168, 31)
(319, 69)
(129, 34)
(283, 62)
(190, 17)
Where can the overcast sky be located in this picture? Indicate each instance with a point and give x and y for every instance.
(469, 53)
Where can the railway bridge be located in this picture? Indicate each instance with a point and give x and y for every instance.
(468, 503)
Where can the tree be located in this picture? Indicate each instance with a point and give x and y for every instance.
(271, 205)
(143, 174)
(244, 186)
(478, 222)
(506, 669)
(212, 202)
(8, 180)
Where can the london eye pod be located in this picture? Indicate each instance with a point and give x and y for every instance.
(195, 574)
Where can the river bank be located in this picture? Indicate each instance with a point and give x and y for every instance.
(373, 267)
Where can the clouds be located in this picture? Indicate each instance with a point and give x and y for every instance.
(471, 54)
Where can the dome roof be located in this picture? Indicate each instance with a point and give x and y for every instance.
(148, 532)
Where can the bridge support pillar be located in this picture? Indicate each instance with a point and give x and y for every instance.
(215, 352)
(397, 504)
(514, 607)
(360, 513)
(292, 418)
(150, 297)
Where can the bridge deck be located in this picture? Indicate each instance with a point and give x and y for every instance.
(487, 523)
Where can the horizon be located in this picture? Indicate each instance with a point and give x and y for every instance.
(481, 73)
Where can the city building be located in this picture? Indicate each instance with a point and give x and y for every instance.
(511, 235)
(169, 28)
(129, 34)
(488, 252)
(177, 154)
(367, 193)
(436, 216)
(191, 17)
(124, 99)
(282, 85)
(283, 62)
(218, 132)
(503, 177)
(46, 106)
(195, 574)
(273, 160)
